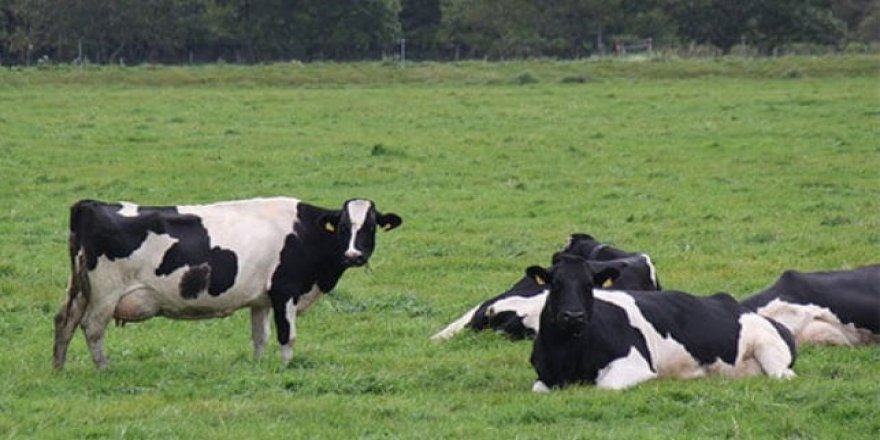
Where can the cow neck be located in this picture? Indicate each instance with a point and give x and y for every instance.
(317, 249)
(567, 360)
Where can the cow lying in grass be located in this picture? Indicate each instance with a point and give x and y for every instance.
(616, 339)
(515, 312)
(834, 308)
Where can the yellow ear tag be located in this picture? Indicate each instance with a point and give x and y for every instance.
(386, 227)
(607, 283)
(329, 227)
(540, 281)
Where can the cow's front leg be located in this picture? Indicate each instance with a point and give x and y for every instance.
(625, 372)
(259, 329)
(285, 324)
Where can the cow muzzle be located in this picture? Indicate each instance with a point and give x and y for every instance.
(354, 259)
(573, 322)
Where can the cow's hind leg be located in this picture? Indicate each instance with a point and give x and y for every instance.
(259, 329)
(67, 319)
(94, 325)
(775, 359)
(825, 333)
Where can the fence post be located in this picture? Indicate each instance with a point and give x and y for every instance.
(403, 52)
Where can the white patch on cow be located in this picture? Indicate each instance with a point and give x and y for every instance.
(128, 209)
(254, 230)
(357, 212)
(625, 372)
(670, 358)
(761, 350)
(810, 323)
(456, 326)
(540, 387)
(527, 308)
(651, 268)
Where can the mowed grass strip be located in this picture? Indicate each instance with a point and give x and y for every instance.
(727, 179)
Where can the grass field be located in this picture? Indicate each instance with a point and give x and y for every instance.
(727, 171)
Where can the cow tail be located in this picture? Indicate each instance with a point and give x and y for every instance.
(79, 280)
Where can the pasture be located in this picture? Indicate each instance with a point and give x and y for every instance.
(727, 171)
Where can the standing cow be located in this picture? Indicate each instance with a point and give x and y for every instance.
(835, 307)
(132, 263)
(516, 311)
(616, 339)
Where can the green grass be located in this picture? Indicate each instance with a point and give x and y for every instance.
(727, 171)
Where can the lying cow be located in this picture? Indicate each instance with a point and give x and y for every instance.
(132, 263)
(516, 311)
(616, 339)
(836, 308)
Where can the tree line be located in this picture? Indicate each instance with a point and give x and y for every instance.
(251, 31)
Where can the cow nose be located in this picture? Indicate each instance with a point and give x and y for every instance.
(355, 258)
(572, 316)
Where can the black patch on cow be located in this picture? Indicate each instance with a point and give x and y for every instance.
(510, 323)
(707, 327)
(101, 231)
(311, 255)
(852, 295)
(193, 248)
(560, 359)
(194, 281)
(633, 267)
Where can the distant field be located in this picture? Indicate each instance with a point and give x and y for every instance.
(727, 171)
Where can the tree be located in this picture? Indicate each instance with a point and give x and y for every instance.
(420, 22)
(497, 29)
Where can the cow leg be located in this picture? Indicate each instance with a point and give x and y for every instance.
(66, 320)
(820, 332)
(259, 329)
(285, 325)
(94, 324)
(774, 357)
(625, 372)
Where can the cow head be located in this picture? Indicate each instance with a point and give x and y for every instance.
(569, 304)
(581, 244)
(354, 227)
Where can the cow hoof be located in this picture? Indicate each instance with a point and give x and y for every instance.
(539, 387)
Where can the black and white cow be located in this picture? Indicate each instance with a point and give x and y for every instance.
(131, 263)
(616, 339)
(835, 308)
(515, 312)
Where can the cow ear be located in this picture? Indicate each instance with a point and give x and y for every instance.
(603, 273)
(388, 221)
(328, 222)
(539, 274)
